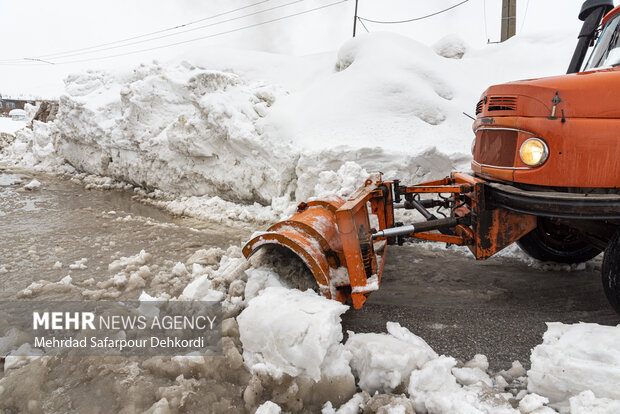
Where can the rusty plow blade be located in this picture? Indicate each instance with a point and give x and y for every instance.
(333, 238)
(312, 235)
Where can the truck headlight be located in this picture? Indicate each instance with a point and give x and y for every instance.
(533, 152)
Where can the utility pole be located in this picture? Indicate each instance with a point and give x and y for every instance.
(509, 19)
(355, 19)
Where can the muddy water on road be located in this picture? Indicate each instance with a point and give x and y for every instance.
(62, 229)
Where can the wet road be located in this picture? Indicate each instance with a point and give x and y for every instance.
(496, 307)
(62, 229)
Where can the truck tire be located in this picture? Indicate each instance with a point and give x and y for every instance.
(611, 272)
(556, 243)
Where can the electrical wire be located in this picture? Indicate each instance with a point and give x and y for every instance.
(415, 18)
(61, 56)
(206, 37)
(484, 8)
(527, 5)
(142, 35)
(363, 25)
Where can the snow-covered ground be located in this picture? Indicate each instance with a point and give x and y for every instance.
(9, 125)
(240, 138)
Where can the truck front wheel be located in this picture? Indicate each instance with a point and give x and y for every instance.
(611, 272)
(554, 242)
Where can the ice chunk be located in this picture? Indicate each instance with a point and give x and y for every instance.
(576, 358)
(532, 402)
(33, 185)
(260, 279)
(384, 361)
(286, 331)
(434, 389)
(268, 407)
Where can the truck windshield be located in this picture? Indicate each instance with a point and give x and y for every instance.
(606, 53)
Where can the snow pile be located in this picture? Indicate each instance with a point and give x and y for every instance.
(435, 389)
(178, 128)
(293, 337)
(286, 331)
(576, 358)
(382, 362)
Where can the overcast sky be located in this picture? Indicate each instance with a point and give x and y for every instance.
(44, 28)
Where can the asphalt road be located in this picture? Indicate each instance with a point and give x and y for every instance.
(497, 307)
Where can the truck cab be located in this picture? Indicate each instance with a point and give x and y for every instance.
(550, 148)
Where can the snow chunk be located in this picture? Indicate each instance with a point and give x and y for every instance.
(470, 376)
(79, 264)
(269, 408)
(434, 389)
(260, 279)
(130, 262)
(286, 331)
(587, 403)
(206, 257)
(451, 47)
(532, 402)
(576, 358)
(478, 361)
(384, 361)
(32, 185)
(202, 289)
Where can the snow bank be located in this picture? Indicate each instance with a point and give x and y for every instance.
(576, 358)
(181, 129)
(268, 129)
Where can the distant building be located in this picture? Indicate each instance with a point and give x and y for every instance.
(7, 104)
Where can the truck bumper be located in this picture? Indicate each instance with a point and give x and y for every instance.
(554, 204)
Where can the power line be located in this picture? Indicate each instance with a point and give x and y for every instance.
(206, 37)
(66, 55)
(363, 25)
(484, 8)
(144, 35)
(527, 5)
(415, 18)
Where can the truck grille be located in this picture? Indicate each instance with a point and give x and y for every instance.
(496, 147)
(503, 103)
(479, 106)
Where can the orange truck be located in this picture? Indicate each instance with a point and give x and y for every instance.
(545, 174)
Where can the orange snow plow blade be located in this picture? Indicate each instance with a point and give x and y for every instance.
(332, 237)
(343, 243)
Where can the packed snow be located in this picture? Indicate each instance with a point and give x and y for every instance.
(576, 358)
(383, 362)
